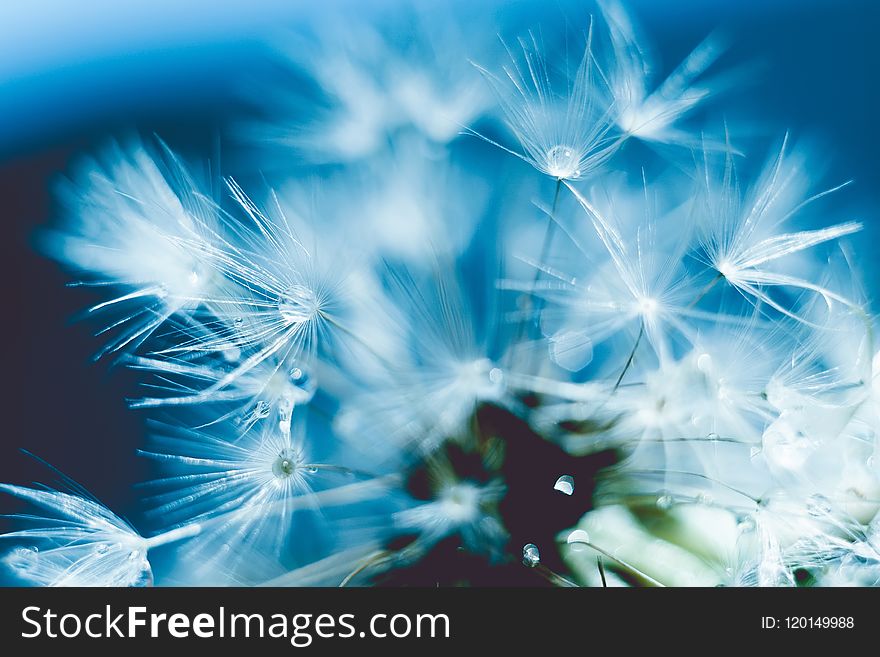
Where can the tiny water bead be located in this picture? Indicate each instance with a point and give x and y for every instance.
(286, 463)
(565, 485)
(21, 560)
(480, 378)
(298, 304)
(303, 386)
(665, 502)
(579, 540)
(24, 555)
(563, 162)
(531, 557)
(704, 362)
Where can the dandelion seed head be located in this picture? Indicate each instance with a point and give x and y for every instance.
(286, 463)
(725, 268)
(647, 306)
(298, 304)
(459, 502)
(458, 506)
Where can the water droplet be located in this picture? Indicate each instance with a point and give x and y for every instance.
(496, 375)
(818, 505)
(565, 484)
(531, 557)
(238, 321)
(302, 386)
(665, 502)
(286, 463)
(870, 461)
(578, 540)
(27, 553)
(22, 559)
(102, 548)
(704, 362)
(712, 437)
(563, 162)
(754, 452)
(704, 498)
(311, 469)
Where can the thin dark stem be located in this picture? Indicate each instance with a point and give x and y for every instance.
(554, 578)
(354, 336)
(705, 290)
(601, 571)
(632, 355)
(372, 561)
(548, 234)
(545, 251)
(623, 564)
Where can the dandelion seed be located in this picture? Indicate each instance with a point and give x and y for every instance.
(741, 240)
(646, 113)
(81, 543)
(462, 507)
(134, 216)
(639, 283)
(372, 85)
(563, 128)
(270, 386)
(246, 494)
(440, 356)
(287, 303)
